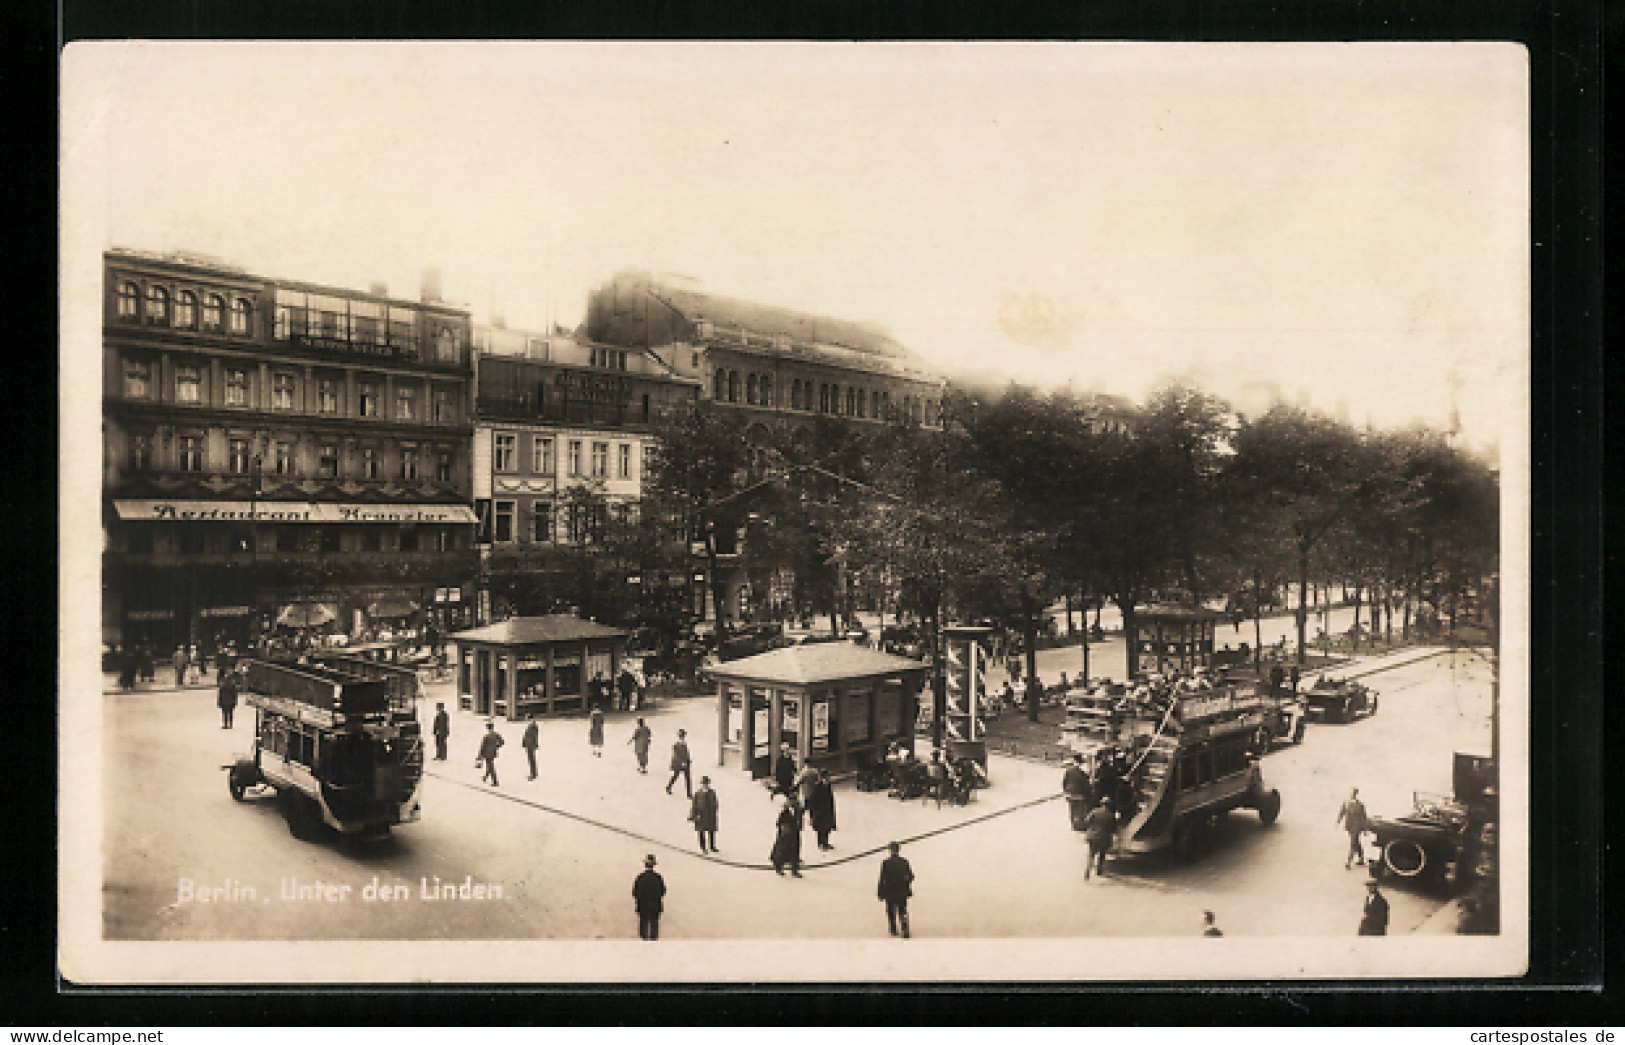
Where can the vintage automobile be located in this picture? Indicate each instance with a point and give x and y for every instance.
(338, 742)
(1446, 838)
(1339, 700)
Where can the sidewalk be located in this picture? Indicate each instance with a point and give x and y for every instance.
(611, 793)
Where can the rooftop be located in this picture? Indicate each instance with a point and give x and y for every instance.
(1171, 611)
(553, 627)
(816, 662)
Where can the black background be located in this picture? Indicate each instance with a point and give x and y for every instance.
(1565, 985)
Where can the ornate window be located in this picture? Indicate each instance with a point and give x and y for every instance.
(188, 384)
(236, 388)
(239, 316)
(213, 307)
(186, 310)
(575, 458)
(328, 461)
(541, 456)
(409, 464)
(600, 460)
(406, 404)
(369, 400)
(442, 471)
(237, 458)
(369, 463)
(282, 457)
(137, 378)
(157, 305)
(282, 391)
(505, 452)
(328, 395)
(191, 453)
(129, 300)
(140, 453)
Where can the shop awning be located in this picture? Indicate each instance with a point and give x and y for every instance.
(392, 606)
(290, 512)
(306, 615)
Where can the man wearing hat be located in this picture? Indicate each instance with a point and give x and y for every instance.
(1210, 927)
(679, 764)
(648, 893)
(896, 886)
(1374, 915)
(702, 811)
(1097, 827)
(1075, 785)
(490, 744)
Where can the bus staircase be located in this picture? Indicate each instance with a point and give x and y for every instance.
(1151, 773)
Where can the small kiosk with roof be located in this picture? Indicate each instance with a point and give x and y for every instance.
(1178, 639)
(534, 664)
(836, 705)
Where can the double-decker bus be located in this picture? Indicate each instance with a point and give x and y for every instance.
(339, 742)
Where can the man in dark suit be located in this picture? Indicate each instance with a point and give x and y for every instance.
(530, 741)
(1075, 785)
(784, 773)
(489, 745)
(896, 886)
(1374, 916)
(648, 894)
(679, 764)
(442, 730)
(1098, 828)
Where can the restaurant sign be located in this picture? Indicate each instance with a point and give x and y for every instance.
(290, 511)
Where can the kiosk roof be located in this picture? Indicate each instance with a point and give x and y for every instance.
(815, 662)
(528, 631)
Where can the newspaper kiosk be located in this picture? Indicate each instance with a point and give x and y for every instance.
(535, 664)
(836, 705)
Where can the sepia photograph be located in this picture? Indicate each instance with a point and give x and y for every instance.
(575, 513)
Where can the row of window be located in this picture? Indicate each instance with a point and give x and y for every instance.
(189, 384)
(185, 311)
(244, 456)
(821, 397)
(505, 457)
(609, 358)
(541, 521)
(213, 539)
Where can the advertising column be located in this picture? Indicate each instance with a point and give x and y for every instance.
(964, 734)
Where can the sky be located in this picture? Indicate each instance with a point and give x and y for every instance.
(1344, 223)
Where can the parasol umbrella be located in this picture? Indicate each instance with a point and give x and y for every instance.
(306, 615)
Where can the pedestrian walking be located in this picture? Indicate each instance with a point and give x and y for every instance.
(127, 667)
(896, 886)
(784, 773)
(529, 742)
(227, 699)
(821, 808)
(194, 665)
(1374, 915)
(147, 667)
(702, 813)
(640, 745)
(179, 660)
(627, 686)
(1209, 926)
(442, 730)
(1097, 828)
(599, 691)
(490, 744)
(1351, 814)
(679, 764)
(1075, 785)
(595, 732)
(787, 839)
(806, 780)
(648, 896)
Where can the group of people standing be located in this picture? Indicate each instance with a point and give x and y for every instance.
(140, 664)
(808, 794)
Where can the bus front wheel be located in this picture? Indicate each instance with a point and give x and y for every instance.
(1404, 857)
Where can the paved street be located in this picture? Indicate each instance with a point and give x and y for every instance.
(564, 849)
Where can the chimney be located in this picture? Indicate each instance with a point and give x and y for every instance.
(380, 290)
(431, 285)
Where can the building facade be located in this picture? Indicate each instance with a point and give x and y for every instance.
(563, 438)
(279, 452)
(781, 365)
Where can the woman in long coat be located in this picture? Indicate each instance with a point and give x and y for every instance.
(787, 839)
(595, 732)
(821, 808)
